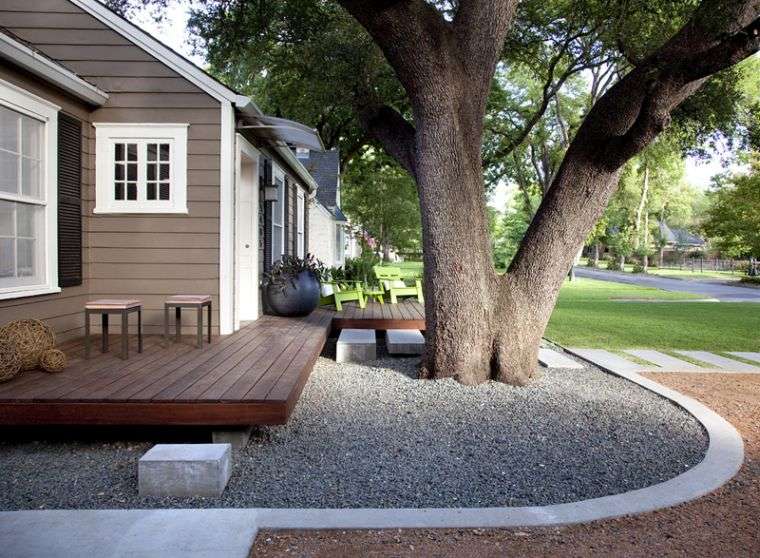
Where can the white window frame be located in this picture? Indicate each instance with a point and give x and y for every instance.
(277, 174)
(20, 100)
(300, 220)
(108, 134)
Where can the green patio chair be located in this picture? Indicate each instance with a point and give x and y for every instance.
(395, 285)
(337, 292)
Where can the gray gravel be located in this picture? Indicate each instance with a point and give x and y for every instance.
(372, 436)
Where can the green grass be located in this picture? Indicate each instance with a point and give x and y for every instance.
(684, 273)
(590, 314)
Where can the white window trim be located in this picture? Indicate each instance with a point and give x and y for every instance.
(300, 222)
(277, 173)
(22, 101)
(108, 133)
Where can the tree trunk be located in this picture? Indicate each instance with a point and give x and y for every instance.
(661, 259)
(596, 254)
(621, 262)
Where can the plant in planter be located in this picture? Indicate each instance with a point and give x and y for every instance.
(291, 287)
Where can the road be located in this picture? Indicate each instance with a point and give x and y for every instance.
(706, 288)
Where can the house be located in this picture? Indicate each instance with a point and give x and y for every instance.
(125, 170)
(679, 240)
(327, 223)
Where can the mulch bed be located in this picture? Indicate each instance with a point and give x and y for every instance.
(722, 524)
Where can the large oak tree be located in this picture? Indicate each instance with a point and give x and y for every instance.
(482, 325)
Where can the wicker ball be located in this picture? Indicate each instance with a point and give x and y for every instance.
(53, 360)
(32, 337)
(10, 361)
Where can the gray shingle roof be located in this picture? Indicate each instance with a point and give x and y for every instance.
(680, 237)
(324, 166)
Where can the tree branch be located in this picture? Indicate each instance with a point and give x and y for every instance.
(387, 126)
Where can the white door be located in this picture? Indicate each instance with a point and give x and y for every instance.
(247, 235)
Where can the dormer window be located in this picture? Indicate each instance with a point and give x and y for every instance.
(141, 168)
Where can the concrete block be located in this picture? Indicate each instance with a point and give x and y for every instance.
(404, 341)
(237, 437)
(356, 345)
(553, 359)
(185, 470)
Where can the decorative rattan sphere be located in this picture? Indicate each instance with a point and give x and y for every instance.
(10, 361)
(53, 360)
(32, 337)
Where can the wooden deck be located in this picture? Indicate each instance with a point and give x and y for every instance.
(407, 314)
(254, 376)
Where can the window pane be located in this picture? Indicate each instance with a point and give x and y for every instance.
(118, 193)
(7, 257)
(118, 171)
(7, 227)
(119, 152)
(31, 137)
(152, 151)
(30, 177)
(151, 171)
(25, 219)
(131, 190)
(164, 192)
(164, 171)
(9, 172)
(151, 191)
(26, 261)
(131, 152)
(164, 151)
(132, 171)
(9, 123)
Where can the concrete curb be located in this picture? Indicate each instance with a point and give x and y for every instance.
(230, 532)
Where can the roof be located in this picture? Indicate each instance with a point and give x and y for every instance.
(25, 55)
(325, 168)
(679, 236)
(339, 215)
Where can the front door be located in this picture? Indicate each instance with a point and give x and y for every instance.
(247, 234)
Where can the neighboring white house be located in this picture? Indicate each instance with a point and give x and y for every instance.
(327, 223)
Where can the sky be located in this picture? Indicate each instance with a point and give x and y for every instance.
(172, 31)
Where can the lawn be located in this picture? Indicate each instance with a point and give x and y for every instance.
(593, 313)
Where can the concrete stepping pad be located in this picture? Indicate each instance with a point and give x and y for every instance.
(746, 355)
(356, 345)
(665, 361)
(724, 363)
(185, 470)
(554, 359)
(404, 341)
(608, 360)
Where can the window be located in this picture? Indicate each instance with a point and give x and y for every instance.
(28, 202)
(340, 248)
(141, 168)
(278, 219)
(300, 218)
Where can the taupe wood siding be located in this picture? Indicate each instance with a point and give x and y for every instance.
(147, 256)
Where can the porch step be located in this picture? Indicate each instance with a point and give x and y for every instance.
(724, 363)
(356, 345)
(405, 341)
(667, 362)
(184, 470)
(554, 359)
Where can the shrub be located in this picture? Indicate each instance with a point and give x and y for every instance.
(751, 280)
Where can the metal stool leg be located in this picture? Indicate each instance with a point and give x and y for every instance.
(139, 330)
(209, 322)
(125, 335)
(166, 322)
(178, 323)
(199, 326)
(104, 332)
(86, 334)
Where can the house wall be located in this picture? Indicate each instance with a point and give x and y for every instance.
(145, 256)
(63, 311)
(322, 234)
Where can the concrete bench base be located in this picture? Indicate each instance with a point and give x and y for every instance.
(237, 437)
(356, 345)
(404, 341)
(185, 470)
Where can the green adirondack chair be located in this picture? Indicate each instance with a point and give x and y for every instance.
(338, 292)
(393, 282)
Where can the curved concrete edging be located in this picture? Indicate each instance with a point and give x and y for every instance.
(724, 457)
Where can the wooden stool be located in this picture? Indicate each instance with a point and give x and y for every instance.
(113, 306)
(178, 302)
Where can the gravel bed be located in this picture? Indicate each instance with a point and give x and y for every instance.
(372, 436)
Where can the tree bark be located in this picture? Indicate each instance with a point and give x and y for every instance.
(595, 259)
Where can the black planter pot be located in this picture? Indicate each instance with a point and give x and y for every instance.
(298, 297)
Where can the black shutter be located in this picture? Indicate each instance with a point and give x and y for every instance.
(306, 222)
(69, 201)
(267, 181)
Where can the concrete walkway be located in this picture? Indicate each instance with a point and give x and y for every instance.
(708, 289)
